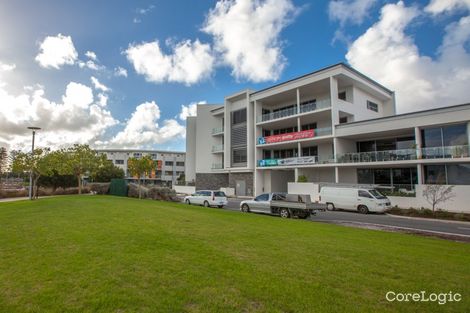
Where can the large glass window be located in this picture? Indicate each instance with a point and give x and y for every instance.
(458, 174)
(405, 143)
(435, 174)
(310, 151)
(239, 155)
(431, 137)
(402, 176)
(385, 144)
(366, 146)
(365, 176)
(382, 177)
(455, 135)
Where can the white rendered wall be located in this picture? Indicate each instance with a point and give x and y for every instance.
(190, 171)
(206, 121)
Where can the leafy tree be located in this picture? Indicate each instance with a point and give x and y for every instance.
(55, 181)
(3, 163)
(140, 168)
(106, 171)
(78, 160)
(435, 194)
(40, 163)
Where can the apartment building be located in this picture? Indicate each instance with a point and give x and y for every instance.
(334, 125)
(170, 164)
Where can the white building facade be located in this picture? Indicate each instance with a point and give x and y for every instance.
(334, 125)
(170, 164)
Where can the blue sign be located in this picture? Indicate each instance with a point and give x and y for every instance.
(261, 140)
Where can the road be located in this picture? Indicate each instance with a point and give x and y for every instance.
(384, 221)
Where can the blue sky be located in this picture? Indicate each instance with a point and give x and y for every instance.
(420, 49)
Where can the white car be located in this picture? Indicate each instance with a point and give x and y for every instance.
(354, 199)
(207, 198)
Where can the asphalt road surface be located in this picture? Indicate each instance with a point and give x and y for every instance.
(383, 220)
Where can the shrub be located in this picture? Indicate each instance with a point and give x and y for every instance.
(99, 188)
(302, 179)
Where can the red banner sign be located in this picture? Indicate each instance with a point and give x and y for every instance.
(290, 136)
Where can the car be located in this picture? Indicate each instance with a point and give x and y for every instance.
(281, 204)
(207, 198)
(363, 200)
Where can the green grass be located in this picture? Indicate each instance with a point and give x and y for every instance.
(110, 254)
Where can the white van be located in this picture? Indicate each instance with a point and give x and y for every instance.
(363, 200)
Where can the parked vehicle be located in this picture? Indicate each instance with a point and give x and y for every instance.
(363, 200)
(282, 204)
(207, 198)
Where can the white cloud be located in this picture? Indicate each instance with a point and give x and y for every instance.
(4, 67)
(91, 55)
(247, 36)
(77, 119)
(56, 51)
(189, 110)
(189, 63)
(98, 85)
(440, 6)
(349, 11)
(143, 128)
(120, 71)
(386, 53)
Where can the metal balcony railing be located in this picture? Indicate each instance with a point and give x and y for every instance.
(217, 130)
(319, 105)
(218, 148)
(446, 152)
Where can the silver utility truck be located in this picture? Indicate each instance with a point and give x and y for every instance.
(282, 204)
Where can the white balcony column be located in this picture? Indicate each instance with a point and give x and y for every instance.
(336, 175)
(227, 132)
(251, 132)
(419, 144)
(334, 101)
(298, 100)
(296, 173)
(419, 173)
(299, 149)
(298, 124)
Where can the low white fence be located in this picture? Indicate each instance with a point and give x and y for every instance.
(229, 192)
(187, 190)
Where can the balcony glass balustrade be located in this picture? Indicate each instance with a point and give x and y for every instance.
(378, 156)
(319, 105)
(217, 166)
(217, 130)
(218, 148)
(446, 152)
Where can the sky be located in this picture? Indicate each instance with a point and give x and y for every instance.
(127, 74)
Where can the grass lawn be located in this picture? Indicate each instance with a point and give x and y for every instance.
(110, 254)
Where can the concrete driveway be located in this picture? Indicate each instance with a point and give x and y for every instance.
(450, 229)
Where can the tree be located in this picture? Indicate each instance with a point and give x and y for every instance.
(435, 194)
(140, 168)
(78, 160)
(3, 163)
(39, 163)
(106, 171)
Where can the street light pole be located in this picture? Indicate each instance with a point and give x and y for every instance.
(31, 171)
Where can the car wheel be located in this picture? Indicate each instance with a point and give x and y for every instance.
(330, 207)
(284, 213)
(206, 204)
(220, 206)
(188, 202)
(363, 209)
(245, 208)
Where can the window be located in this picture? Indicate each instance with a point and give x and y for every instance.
(168, 163)
(263, 197)
(286, 153)
(372, 106)
(310, 151)
(119, 161)
(266, 154)
(386, 144)
(219, 194)
(309, 126)
(382, 176)
(239, 116)
(266, 132)
(343, 119)
(239, 155)
(364, 194)
(366, 146)
(137, 155)
(179, 163)
(153, 156)
(435, 174)
(458, 174)
(365, 176)
(455, 135)
(342, 95)
(168, 173)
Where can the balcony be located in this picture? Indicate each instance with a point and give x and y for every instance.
(304, 134)
(218, 149)
(449, 152)
(217, 131)
(217, 166)
(378, 156)
(319, 105)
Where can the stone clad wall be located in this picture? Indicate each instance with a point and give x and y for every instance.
(211, 181)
